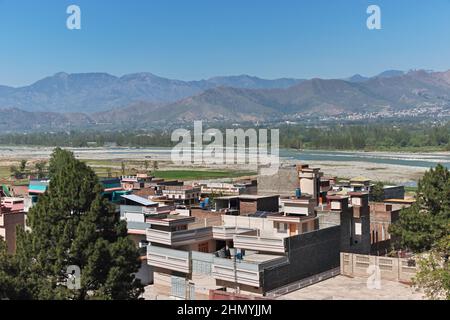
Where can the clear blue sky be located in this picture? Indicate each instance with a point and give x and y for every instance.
(194, 39)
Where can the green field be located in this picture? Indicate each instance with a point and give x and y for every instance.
(199, 174)
(4, 172)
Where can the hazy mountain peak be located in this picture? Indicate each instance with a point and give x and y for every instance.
(357, 78)
(390, 74)
(145, 76)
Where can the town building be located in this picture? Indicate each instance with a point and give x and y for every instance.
(12, 215)
(183, 195)
(246, 204)
(260, 253)
(382, 215)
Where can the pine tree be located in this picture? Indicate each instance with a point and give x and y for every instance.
(73, 225)
(377, 192)
(11, 286)
(423, 224)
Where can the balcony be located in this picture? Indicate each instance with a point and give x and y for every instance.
(179, 238)
(170, 259)
(228, 232)
(261, 243)
(248, 271)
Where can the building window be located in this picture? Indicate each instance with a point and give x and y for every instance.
(304, 227)
(282, 227)
(203, 247)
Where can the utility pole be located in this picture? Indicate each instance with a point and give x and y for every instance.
(236, 285)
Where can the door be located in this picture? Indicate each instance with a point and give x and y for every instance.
(292, 229)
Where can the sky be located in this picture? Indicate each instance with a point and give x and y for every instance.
(198, 39)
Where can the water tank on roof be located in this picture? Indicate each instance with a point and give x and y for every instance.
(298, 193)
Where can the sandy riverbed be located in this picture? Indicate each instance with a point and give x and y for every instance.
(345, 169)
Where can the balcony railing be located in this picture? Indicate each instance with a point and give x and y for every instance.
(170, 259)
(263, 244)
(179, 237)
(243, 272)
(228, 232)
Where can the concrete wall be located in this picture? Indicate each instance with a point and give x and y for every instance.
(284, 182)
(8, 227)
(145, 273)
(223, 295)
(394, 269)
(271, 204)
(309, 254)
(397, 192)
(264, 225)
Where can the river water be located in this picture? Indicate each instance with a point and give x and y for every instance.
(425, 160)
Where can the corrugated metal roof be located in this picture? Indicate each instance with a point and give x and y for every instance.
(140, 200)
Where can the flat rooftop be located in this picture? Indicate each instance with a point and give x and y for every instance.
(345, 288)
(260, 258)
(247, 197)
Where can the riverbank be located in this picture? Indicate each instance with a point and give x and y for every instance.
(405, 168)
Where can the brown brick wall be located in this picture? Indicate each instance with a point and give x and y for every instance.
(247, 207)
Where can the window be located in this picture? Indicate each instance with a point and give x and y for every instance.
(203, 247)
(358, 230)
(304, 227)
(282, 227)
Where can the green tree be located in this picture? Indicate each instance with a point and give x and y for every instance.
(23, 165)
(40, 169)
(11, 286)
(433, 274)
(73, 225)
(377, 192)
(424, 223)
(15, 172)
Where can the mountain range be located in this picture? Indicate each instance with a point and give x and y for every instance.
(94, 92)
(92, 99)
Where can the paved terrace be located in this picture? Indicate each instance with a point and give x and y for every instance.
(345, 288)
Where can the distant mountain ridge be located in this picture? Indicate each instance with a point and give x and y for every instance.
(237, 99)
(94, 92)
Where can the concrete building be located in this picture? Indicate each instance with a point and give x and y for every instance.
(227, 189)
(303, 206)
(284, 182)
(184, 195)
(290, 178)
(12, 215)
(394, 192)
(382, 215)
(353, 216)
(136, 211)
(261, 253)
(247, 204)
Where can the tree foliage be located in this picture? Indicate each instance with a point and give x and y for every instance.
(372, 136)
(425, 222)
(434, 271)
(425, 228)
(73, 225)
(377, 192)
